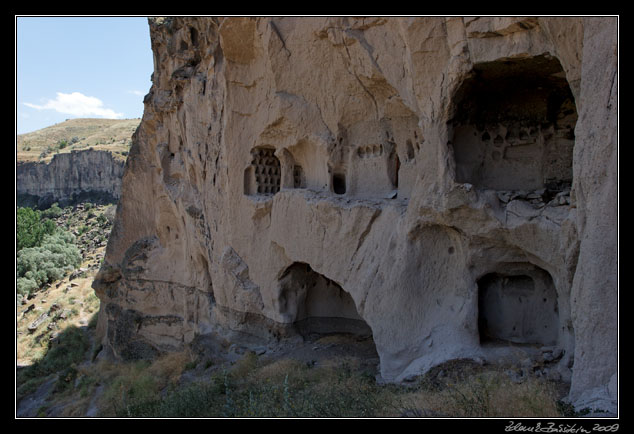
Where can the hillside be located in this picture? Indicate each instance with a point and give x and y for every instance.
(114, 135)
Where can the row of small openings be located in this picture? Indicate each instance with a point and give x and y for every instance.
(267, 170)
(267, 185)
(370, 151)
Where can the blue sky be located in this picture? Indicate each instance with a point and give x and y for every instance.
(80, 67)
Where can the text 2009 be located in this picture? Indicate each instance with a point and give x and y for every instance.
(560, 428)
(606, 428)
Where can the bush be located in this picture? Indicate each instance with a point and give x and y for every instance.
(31, 228)
(37, 266)
(26, 286)
(53, 212)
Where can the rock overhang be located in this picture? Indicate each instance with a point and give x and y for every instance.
(379, 206)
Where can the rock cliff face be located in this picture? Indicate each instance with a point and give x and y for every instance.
(448, 185)
(68, 178)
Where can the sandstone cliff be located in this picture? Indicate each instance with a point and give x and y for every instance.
(70, 177)
(447, 184)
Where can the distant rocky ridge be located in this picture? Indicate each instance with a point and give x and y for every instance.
(78, 176)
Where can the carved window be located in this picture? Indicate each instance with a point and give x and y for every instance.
(266, 171)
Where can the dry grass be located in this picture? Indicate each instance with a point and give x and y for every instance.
(77, 308)
(245, 366)
(487, 394)
(100, 134)
(338, 387)
(255, 387)
(169, 368)
(333, 339)
(278, 370)
(128, 384)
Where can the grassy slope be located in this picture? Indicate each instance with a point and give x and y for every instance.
(112, 135)
(65, 337)
(70, 301)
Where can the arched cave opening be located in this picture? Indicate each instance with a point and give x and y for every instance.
(518, 304)
(339, 183)
(512, 126)
(319, 306)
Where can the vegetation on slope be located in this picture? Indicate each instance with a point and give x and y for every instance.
(114, 135)
(336, 388)
(55, 303)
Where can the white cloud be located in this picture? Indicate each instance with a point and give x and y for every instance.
(77, 104)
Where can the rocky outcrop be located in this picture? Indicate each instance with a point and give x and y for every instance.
(69, 178)
(449, 184)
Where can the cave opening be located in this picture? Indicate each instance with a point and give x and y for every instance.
(317, 305)
(518, 305)
(512, 126)
(339, 183)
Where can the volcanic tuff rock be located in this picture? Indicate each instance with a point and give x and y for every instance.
(448, 185)
(69, 178)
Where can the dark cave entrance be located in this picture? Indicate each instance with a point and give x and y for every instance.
(513, 125)
(318, 305)
(518, 304)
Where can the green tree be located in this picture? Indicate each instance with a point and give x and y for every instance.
(53, 212)
(30, 229)
(46, 263)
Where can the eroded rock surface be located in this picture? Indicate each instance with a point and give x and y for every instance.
(70, 178)
(447, 184)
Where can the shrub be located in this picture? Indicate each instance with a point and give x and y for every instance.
(26, 286)
(37, 266)
(53, 212)
(30, 228)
